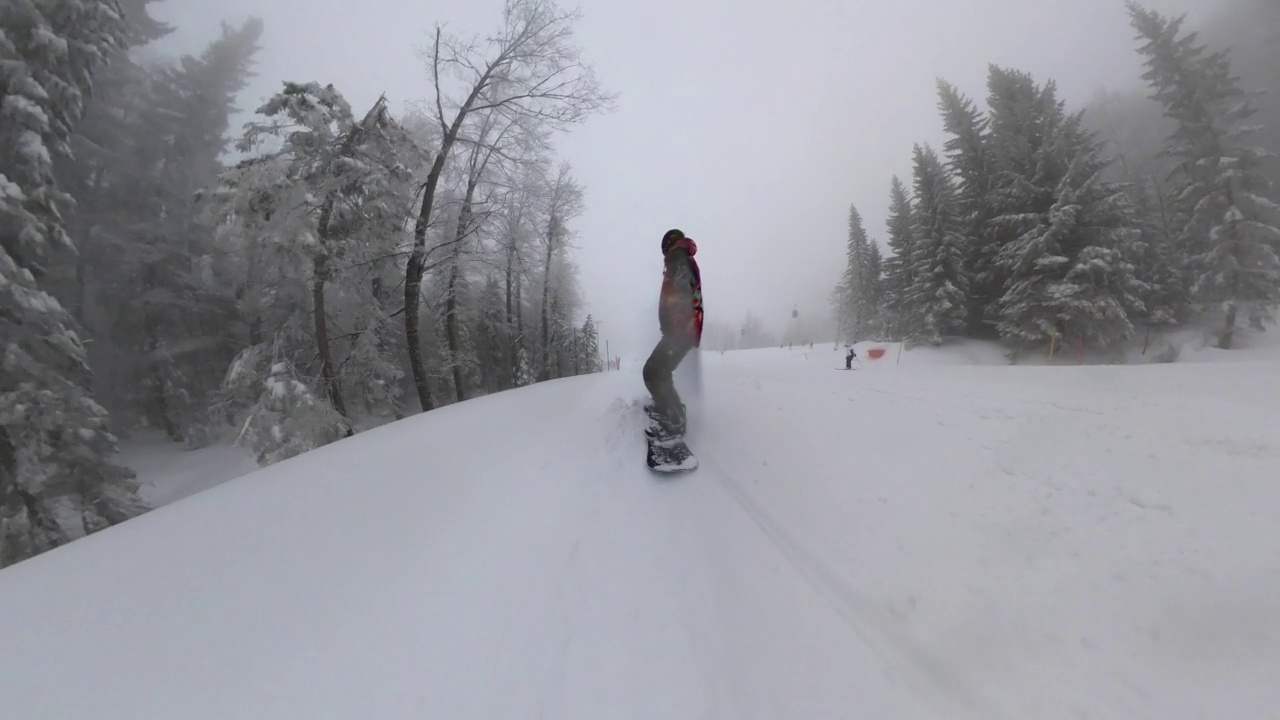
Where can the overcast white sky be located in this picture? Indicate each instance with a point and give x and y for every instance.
(751, 125)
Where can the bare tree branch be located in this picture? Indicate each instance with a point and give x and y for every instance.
(435, 75)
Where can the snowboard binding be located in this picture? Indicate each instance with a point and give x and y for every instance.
(667, 451)
(662, 428)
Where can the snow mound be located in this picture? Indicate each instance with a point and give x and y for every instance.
(951, 542)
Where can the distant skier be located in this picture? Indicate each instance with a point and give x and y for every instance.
(680, 320)
(849, 356)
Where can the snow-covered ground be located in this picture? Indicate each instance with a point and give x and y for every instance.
(914, 539)
(168, 472)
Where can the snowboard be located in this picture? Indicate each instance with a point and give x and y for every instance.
(668, 456)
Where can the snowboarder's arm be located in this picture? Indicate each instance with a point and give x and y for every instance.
(682, 279)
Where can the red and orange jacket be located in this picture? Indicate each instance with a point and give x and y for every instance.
(680, 303)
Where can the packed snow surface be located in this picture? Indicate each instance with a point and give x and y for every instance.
(910, 539)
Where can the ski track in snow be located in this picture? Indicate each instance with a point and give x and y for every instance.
(924, 542)
(875, 626)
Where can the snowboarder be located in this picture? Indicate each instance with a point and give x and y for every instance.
(680, 320)
(849, 356)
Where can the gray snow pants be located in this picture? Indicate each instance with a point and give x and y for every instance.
(658, 370)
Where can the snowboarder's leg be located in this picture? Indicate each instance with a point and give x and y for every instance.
(658, 379)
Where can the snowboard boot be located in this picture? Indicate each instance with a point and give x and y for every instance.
(663, 428)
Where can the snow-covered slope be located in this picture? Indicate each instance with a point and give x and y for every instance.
(913, 541)
(167, 472)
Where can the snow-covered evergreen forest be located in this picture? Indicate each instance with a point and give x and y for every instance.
(1087, 228)
(281, 285)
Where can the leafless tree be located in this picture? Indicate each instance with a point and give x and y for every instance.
(494, 135)
(564, 202)
(530, 73)
(515, 233)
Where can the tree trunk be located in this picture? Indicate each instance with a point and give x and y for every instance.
(320, 276)
(512, 355)
(414, 271)
(82, 240)
(417, 264)
(1228, 332)
(377, 289)
(248, 300)
(517, 343)
(155, 403)
(81, 289)
(452, 330)
(8, 469)
(158, 406)
(255, 330)
(546, 300)
(327, 371)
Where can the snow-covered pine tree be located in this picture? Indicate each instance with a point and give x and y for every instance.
(56, 483)
(840, 299)
(846, 292)
(874, 297)
(588, 348)
(866, 280)
(289, 419)
(524, 368)
(370, 368)
(1069, 271)
(171, 341)
(1159, 265)
(1226, 212)
(1020, 124)
(317, 134)
(260, 261)
(897, 268)
(936, 300)
(378, 194)
(968, 153)
(331, 197)
(107, 133)
(858, 293)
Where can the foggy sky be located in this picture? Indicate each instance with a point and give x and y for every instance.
(752, 126)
